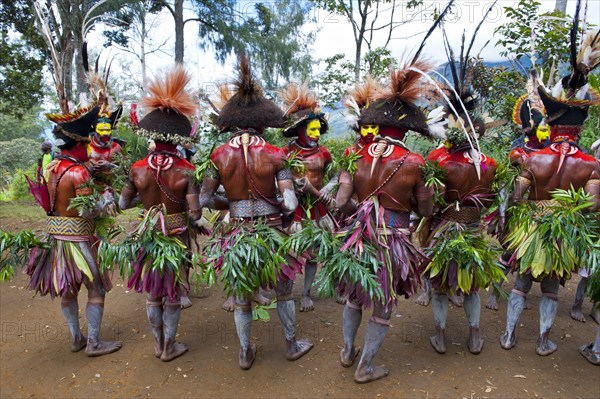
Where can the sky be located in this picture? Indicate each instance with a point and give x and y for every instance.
(334, 35)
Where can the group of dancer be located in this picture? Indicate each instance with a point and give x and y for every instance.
(273, 193)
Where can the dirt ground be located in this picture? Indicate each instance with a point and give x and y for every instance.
(35, 361)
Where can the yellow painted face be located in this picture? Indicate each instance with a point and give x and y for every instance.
(542, 132)
(366, 130)
(447, 144)
(313, 129)
(89, 150)
(103, 129)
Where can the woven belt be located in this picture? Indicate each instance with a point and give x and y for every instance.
(69, 226)
(466, 214)
(252, 208)
(396, 219)
(174, 221)
(544, 207)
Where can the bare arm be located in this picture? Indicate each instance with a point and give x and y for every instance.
(208, 199)
(592, 187)
(522, 184)
(344, 194)
(128, 198)
(193, 202)
(286, 188)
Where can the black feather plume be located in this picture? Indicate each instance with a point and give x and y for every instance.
(573, 35)
(439, 19)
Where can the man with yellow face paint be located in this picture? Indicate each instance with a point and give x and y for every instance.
(306, 122)
(103, 146)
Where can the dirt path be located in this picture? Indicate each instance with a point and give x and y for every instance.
(35, 360)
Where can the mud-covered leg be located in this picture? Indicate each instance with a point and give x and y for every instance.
(94, 312)
(306, 302)
(595, 314)
(494, 297)
(576, 311)
(243, 324)
(229, 304)
(514, 308)
(548, 309)
(171, 348)
(70, 309)
(379, 324)
(286, 310)
(154, 310)
(440, 312)
(351, 320)
(473, 311)
(425, 296)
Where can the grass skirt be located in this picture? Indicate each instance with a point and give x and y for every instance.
(64, 266)
(463, 260)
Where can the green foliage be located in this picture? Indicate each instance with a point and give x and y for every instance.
(203, 165)
(244, 259)
(591, 126)
(275, 137)
(18, 187)
(27, 125)
(434, 176)
(348, 162)
(338, 75)
(259, 312)
(14, 251)
(534, 233)
(551, 33)
(18, 154)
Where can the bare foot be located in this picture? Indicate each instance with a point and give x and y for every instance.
(544, 346)
(185, 302)
(591, 356)
(347, 359)
(438, 343)
(306, 304)
(341, 299)
(297, 348)
(577, 314)
(229, 304)
(78, 343)
(260, 299)
(424, 298)
(100, 348)
(173, 350)
(475, 342)
(373, 373)
(457, 300)
(158, 347)
(507, 340)
(247, 357)
(595, 315)
(492, 302)
(527, 305)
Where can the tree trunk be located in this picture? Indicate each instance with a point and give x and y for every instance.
(144, 34)
(561, 5)
(178, 31)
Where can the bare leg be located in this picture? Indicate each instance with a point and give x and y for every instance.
(306, 303)
(473, 312)
(548, 308)
(185, 301)
(94, 312)
(516, 304)
(425, 296)
(154, 310)
(595, 315)
(70, 309)
(377, 329)
(457, 300)
(440, 312)
(243, 324)
(229, 304)
(286, 309)
(350, 322)
(576, 312)
(171, 314)
(260, 299)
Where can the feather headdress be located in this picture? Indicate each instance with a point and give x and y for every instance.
(301, 106)
(361, 96)
(171, 105)
(248, 107)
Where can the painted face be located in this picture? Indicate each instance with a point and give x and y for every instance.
(313, 129)
(104, 130)
(542, 132)
(366, 130)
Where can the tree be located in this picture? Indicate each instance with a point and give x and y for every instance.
(21, 59)
(338, 73)
(561, 5)
(547, 47)
(367, 23)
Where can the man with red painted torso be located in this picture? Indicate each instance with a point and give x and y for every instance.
(307, 123)
(163, 182)
(561, 165)
(72, 257)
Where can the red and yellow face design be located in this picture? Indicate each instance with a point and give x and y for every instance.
(366, 130)
(313, 129)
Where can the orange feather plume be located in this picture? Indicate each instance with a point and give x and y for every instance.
(363, 93)
(298, 97)
(406, 85)
(171, 93)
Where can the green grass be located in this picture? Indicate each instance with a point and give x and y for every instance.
(22, 211)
